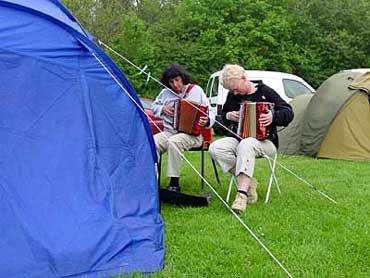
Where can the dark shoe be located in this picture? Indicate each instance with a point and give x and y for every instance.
(173, 188)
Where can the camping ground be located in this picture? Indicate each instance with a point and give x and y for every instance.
(311, 236)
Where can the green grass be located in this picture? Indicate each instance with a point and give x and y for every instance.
(311, 236)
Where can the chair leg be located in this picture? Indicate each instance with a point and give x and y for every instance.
(215, 171)
(268, 191)
(273, 173)
(159, 167)
(232, 181)
(159, 170)
(272, 177)
(202, 162)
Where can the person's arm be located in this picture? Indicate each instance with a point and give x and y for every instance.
(230, 110)
(282, 113)
(197, 95)
(159, 107)
(210, 120)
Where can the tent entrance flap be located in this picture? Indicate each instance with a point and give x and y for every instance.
(348, 136)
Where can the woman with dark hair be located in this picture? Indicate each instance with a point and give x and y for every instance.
(178, 86)
(173, 71)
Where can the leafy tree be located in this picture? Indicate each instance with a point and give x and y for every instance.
(332, 34)
(206, 34)
(134, 43)
(312, 39)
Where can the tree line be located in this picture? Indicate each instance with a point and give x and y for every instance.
(310, 38)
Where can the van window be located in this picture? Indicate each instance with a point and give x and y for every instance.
(212, 87)
(295, 88)
(215, 87)
(256, 82)
(209, 86)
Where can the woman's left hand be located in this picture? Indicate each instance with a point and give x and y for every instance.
(203, 121)
(266, 118)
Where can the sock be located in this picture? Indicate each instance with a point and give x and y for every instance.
(243, 192)
(174, 181)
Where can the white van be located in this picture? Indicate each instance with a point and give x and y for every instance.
(286, 85)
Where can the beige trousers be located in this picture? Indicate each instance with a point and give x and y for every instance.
(175, 143)
(231, 154)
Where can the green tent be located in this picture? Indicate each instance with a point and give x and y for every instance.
(335, 122)
(290, 136)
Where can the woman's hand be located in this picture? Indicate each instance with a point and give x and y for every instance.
(168, 110)
(203, 121)
(266, 118)
(233, 116)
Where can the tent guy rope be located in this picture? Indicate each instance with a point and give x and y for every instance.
(142, 71)
(250, 231)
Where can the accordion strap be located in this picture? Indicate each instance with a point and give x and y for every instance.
(188, 89)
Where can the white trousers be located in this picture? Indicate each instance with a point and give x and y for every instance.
(231, 154)
(173, 143)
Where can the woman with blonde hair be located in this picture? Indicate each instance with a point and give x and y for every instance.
(235, 155)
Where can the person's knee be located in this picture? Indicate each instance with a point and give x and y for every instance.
(174, 140)
(160, 141)
(213, 150)
(175, 144)
(246, 145)
(157, 145)
(249, 142)
(220, 149)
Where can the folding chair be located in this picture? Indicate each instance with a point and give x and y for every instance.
(207, 136)
(272, 178)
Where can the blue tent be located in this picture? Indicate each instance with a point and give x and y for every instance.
(78, 192)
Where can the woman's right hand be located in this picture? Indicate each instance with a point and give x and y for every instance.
(233, 116)
(168, 110)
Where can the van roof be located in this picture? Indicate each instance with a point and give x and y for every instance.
(361, 70)
(263, 74)
(258, 73)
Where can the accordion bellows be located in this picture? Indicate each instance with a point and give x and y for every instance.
(249, 125)
(187, 115)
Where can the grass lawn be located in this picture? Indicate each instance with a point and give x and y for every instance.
(311, 236)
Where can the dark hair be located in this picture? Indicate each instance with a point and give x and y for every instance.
(173, 71)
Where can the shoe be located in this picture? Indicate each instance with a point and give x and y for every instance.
(174, 188)
(240, 203)
(252, 192)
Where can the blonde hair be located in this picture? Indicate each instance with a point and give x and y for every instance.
(229, 73)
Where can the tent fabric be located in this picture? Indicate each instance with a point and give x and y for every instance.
(290, 137)
(323, 108)
(51, 9)
(78, 188)
(362, 83)
(334, 123)
(346, 139)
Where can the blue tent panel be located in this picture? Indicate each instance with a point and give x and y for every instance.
(78, 191)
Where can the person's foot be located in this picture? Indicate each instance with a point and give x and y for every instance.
(174, 188)
(240, 203)
(252, 192)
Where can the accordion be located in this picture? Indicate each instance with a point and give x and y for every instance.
(248, 125)
(186, 116)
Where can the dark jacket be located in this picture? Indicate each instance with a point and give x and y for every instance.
(282, 112)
